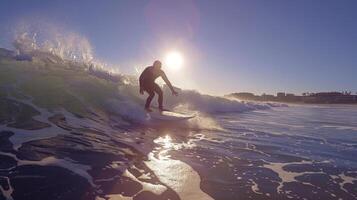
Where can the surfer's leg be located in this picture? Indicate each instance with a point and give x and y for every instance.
(158, 91)
(149, 99)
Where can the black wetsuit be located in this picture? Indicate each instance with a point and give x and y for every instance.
(147, 83)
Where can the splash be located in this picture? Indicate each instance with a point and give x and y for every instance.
(50, 41)
(50, 38)
(195, 100)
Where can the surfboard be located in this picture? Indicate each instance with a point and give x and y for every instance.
(169, 116)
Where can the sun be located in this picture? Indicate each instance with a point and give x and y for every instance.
(174, 60)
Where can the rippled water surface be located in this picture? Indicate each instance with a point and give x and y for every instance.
(295, 152)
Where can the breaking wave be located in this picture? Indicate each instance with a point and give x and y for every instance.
(49, 38)
(44, 40)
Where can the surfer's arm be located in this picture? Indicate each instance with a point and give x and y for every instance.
(164, 77)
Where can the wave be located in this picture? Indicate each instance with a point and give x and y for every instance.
(59, 48)
(194, 100)
(42, 36)
(130, 105)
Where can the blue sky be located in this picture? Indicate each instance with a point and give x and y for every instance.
(228, 46)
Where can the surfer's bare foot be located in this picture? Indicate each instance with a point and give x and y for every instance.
(148, 109)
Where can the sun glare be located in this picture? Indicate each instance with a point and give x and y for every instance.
(174, 60)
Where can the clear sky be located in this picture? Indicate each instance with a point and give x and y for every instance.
(227, 45)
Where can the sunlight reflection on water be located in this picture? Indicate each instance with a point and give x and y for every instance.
(174, 173)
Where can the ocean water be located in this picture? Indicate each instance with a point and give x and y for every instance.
(294, 152)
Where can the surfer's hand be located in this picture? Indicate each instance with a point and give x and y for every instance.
(174, 93)
(141, 91)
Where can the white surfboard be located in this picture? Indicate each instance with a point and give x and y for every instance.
(169, 116)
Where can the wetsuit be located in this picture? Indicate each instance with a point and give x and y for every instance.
(147, 83)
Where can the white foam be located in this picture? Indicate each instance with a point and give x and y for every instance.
(157, 189)
(210, 104)
(21, 136)
(154, 188)
(66, 163)
(345, 180)
(116, 197)
(288, 176)
(145, 176)
(255, 187)
(7, 193)
(340, 127)
(127, 109)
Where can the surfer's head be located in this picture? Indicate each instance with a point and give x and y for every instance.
(157, 64)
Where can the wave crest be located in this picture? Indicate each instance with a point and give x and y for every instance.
(50, 38)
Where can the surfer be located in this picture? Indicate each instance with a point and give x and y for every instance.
(147, 83)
